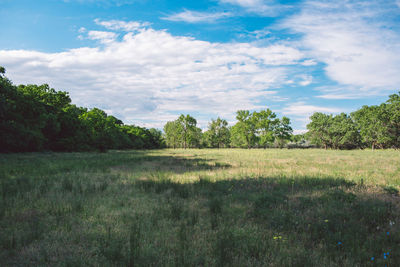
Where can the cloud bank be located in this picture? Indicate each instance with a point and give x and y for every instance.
(358, 41)
(195, 17)
(149, 76)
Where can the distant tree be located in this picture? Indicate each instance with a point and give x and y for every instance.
(218, 134)
(298, 138)
(337, 132)
(318, 129)
(265, 123)
(372, 122)
(282, 131)
(393, 109)
(37, 117)
(172, 134)
(187, 129)
(343, 132)
(244, 131)
(182, 132)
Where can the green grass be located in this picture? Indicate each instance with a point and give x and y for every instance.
(201, 208)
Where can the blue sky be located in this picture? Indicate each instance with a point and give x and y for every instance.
(146, 62)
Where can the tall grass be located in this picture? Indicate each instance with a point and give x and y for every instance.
(201, 208)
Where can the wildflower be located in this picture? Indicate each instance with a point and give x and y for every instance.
(326, 221)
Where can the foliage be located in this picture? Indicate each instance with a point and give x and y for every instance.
(218, 134)
(182, 132)
(337, 132)
(260, 129)
(39, 118)
(370, 126)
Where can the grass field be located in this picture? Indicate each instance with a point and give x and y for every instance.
(227, 207)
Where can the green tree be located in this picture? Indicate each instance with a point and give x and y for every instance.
(172, 134)
(182, 132)
(318, 129)
(265, 123)
(187, 129)
(343, 132)
(218, 134)
(372, 122)
(393, 109)
(244, 131)
(282, 131)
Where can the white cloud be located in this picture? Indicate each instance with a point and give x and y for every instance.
(301, 111)
(305, 80)
(119, 25)
(194, 17)
(262, 7)
(104, 37)
(148, 77)
(300, 131)
(245, 3)
(356, 40)
(309, 62)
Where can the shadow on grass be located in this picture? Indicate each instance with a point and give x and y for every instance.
(27, 171)
(278, 221)
(327, 220)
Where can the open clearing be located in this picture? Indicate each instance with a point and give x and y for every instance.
(201, 207)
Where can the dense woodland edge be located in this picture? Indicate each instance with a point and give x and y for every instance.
(39, 118)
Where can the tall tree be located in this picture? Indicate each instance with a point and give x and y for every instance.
(393, 109)
(343, 132)
(218, 134)
(372, 122)
(282, 131)
(187, 129)
(244, 131)
(265, 123)
(172, 135)
(182, 132)
(318, 129)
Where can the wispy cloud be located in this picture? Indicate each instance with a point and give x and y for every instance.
(262, 7)
(104, 37)
(301, 112)
(106, 3)
(195, 17)
(303, 109)
(119, 25)
(149, 75)
(358, 41)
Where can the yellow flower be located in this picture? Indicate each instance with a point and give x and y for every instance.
(326, 221)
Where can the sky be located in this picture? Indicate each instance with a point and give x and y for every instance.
(146, 62)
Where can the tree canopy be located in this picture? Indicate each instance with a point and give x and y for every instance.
(39, 118)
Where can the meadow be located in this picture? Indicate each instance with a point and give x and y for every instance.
(201, 207)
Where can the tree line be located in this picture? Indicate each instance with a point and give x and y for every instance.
(375, 126)
(39, 118)
(258, 129)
